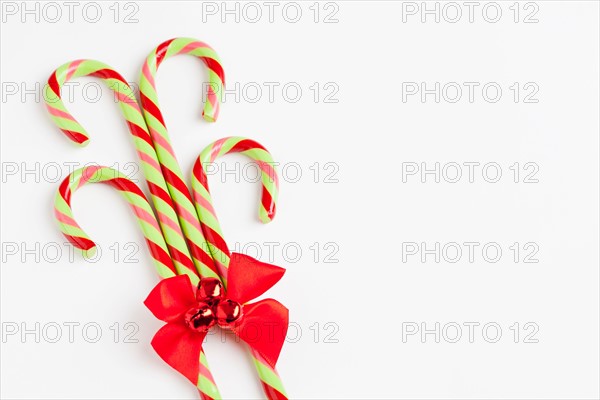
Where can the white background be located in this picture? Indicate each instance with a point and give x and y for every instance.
(371, 294)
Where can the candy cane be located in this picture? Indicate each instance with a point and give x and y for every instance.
(271, 382)
(155, 121)
(170, 166)
(137, 201)
(203, 200)
(167, 216)
(147, 221)
(179, 191)
(143, 144)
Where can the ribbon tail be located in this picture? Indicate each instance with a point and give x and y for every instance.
(264, 327)
(180, 347)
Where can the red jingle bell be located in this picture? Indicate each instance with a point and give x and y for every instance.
(227, 313)
(200, 318)
(210, 290)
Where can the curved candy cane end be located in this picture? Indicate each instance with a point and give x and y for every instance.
(265, 219)
(266, 216)
(82, 143)
(210, 112)
(89, 253)
(211, 106)
(209, 118)
(81, 139)
(81, 242)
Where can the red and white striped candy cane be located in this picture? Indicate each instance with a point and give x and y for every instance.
(270, 380)
(167, 216)
(137, 201)
(142, 141)
(162, 143)
(179, 191)
(203, 200)
(148, 223)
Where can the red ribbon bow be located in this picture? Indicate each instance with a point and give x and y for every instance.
(190, 312)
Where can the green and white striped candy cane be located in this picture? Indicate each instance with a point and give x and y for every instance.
(167, 216)
(148, 223)
(63, 213)
(162, 143)
(127, 102)
(203, 200)
(270, 380)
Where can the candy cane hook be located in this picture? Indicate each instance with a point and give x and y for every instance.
(168, 161)
(167, 216)
(180, 194)
(148, 223)
(203, 199)
(142, 141)
(271, 382)
(137, 201)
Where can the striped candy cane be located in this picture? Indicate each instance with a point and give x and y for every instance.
(162, 143)
(203, 200)
(271, 382)
(142, 141)
(137, 201)
(167, 215)
(148, 223)
(172, 171)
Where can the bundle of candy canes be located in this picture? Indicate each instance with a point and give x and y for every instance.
(203, 284)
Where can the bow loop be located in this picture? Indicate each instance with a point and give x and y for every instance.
(249, 278)
(264, 327)
(171, 298)
(190, 312)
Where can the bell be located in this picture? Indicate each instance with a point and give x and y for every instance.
(200, 318)
(210, 290)
(227, 313)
